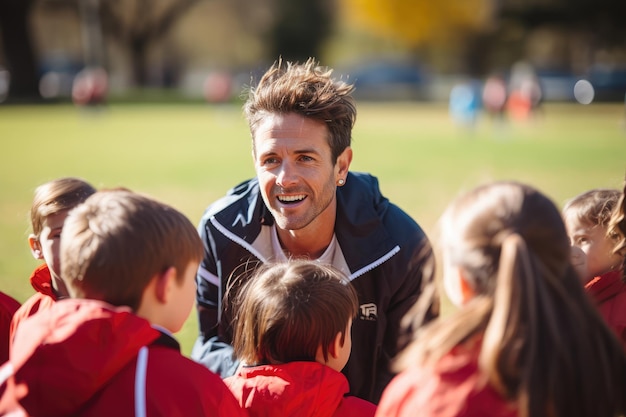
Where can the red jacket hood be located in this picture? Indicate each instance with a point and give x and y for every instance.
(605, 286)
(41, 280)
(293, 389)
(68, 354)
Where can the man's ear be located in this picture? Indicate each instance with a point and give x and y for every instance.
(35, 247)
(343, 162)
(164, 283)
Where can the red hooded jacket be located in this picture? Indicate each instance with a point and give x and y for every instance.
(8, 307)
(298, 389)
(87, 358)
(43, 298)
(609, 293)
(453, 387)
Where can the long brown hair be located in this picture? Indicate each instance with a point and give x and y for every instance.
(544, 345)
(55, 196)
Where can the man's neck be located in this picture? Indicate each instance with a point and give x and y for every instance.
(301, 243)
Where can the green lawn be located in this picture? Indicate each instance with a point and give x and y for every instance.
(189, 155)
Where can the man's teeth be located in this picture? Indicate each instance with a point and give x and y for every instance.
(291, 198)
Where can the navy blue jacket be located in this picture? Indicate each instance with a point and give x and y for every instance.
(384, 248)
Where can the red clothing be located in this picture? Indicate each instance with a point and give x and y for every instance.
(8, 307)
(43, 299)
(609, 293)
(299, 389)
(453, 387)
(87, 358)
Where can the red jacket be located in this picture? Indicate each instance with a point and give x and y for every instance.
(452, 387)
(87, 358)
(609, 293)
(299, 389)
(8, 307)
(43, 298)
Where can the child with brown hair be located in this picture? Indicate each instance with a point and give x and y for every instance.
(526, 339)
(129, 263)
(292, 332)
(588, 218)
(51, 204)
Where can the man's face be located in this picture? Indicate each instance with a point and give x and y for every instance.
(296, 174)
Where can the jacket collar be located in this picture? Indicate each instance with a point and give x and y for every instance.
(360, 206)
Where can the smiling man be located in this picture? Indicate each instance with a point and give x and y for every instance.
(305, 203)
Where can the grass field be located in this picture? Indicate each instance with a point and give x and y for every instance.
(189, 155)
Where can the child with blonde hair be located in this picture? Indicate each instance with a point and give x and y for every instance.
(52, 202)
(526, 340)
(292, 332)
(588, 219)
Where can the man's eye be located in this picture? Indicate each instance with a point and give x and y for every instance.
(306, 158)
(270, 161)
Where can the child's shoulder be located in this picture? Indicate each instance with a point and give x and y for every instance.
(8, 304)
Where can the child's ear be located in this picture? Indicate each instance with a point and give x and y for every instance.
(335, 347)
(467, 290)
(35, 247)
(164, 283)
(458, 288)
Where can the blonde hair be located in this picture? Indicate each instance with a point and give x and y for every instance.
(544, 345)
(55, 196)
(287, 310)
(617, 226)
(116, 241)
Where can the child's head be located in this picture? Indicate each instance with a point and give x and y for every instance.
(506, 261)
(130, 250)
(51, 204)
(483, 229)
(587, 218)
(295, 311)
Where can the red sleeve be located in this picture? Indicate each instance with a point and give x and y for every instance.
(8, 307)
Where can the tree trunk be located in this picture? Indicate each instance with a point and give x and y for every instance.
(139, 49)
(18, 49)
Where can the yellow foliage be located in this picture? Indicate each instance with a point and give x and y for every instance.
(417, 21)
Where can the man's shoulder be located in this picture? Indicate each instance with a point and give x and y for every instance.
(365, 194)
(238, 195)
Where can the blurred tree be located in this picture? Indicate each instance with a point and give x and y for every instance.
(18, 49)
(300, 28)
(416, 22)
(604, 19)
(138, 24)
